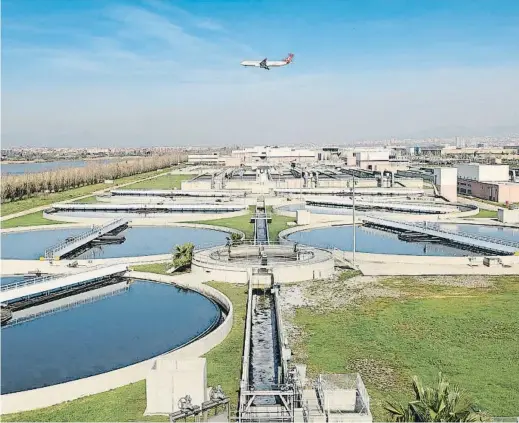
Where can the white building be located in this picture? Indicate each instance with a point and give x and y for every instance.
(483, 173)
(446, 180)
(372, 160)
(274, 155)
(206, 159)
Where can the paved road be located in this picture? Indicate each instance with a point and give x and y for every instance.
(41, 208)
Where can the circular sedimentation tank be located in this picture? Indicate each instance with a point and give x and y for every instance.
(376, 241)
(100, 330)
(426, 207)
(138, 241)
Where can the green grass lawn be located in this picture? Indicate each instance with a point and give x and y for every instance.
(278, 224)
(162, 182)
(153, 267)
(127, 403)
(33, 219)
(471, 335)
(44, 199)
(244, 224)
(484, 214)
(224, 361)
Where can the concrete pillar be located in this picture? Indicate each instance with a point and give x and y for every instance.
(169, 380)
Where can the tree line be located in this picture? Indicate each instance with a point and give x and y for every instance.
(16, 187)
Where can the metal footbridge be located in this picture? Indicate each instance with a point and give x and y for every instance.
(66, 247)
(68, 302)
(49, 284)
(261, 229)
(478, 242)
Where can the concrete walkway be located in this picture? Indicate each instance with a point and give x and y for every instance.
(41, 208)
(480, 204)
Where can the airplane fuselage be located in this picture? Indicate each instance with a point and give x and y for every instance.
(269, 63)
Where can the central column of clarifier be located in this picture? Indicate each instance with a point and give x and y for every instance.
(265, 354)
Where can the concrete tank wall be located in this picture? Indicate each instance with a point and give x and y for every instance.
(56, 394)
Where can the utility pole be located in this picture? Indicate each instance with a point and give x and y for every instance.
(353, 204)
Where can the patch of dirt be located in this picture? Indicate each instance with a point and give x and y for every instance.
(472, 281)
(375, 373)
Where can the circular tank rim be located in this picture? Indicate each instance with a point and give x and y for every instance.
(130, 225)
(443, 216)
(55, 394)
(173, 217)
(383, 257)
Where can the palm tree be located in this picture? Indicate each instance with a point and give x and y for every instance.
(183, 255)
(235, 239)
(441, 403)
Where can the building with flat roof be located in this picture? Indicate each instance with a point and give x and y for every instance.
(372, 160)
(268, 154)
(500, 192)
(483, 173)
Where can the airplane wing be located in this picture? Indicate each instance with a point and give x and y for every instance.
(263, 62)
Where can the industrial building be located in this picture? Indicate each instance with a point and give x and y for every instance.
(488, 182)
(273, 155)
(372, 160)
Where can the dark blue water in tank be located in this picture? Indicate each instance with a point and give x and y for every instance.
(375, 241)
(8, 280)
(131, 324)
(140, 241)
(372, 241)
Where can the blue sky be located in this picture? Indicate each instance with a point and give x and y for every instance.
(166, 72)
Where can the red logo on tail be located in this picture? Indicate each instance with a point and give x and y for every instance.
(289, 58)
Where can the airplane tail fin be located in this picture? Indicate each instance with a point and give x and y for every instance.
(289, 58)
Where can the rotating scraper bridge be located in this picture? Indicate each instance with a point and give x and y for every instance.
(433, 231)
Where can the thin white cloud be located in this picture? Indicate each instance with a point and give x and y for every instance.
(185, 16)
(134, 41)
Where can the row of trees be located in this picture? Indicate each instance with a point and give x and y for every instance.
(15, 187)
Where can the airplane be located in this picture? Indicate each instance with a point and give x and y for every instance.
(266, 64)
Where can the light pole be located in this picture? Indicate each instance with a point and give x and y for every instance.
(353, 206)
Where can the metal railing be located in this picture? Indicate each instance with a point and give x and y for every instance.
(435, 227)
(69, 306)
(47, 278)
(91, 234)
(251, 254)
(30, 281)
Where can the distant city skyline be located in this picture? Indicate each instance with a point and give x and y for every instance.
(166, 73)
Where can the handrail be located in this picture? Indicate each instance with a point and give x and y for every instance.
(30, 281)
(72, 305)
(41, 279)
(435, 227)
(49, 252)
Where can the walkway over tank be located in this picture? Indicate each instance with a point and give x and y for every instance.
(37, 286)
(66, 247)
(485, 243)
